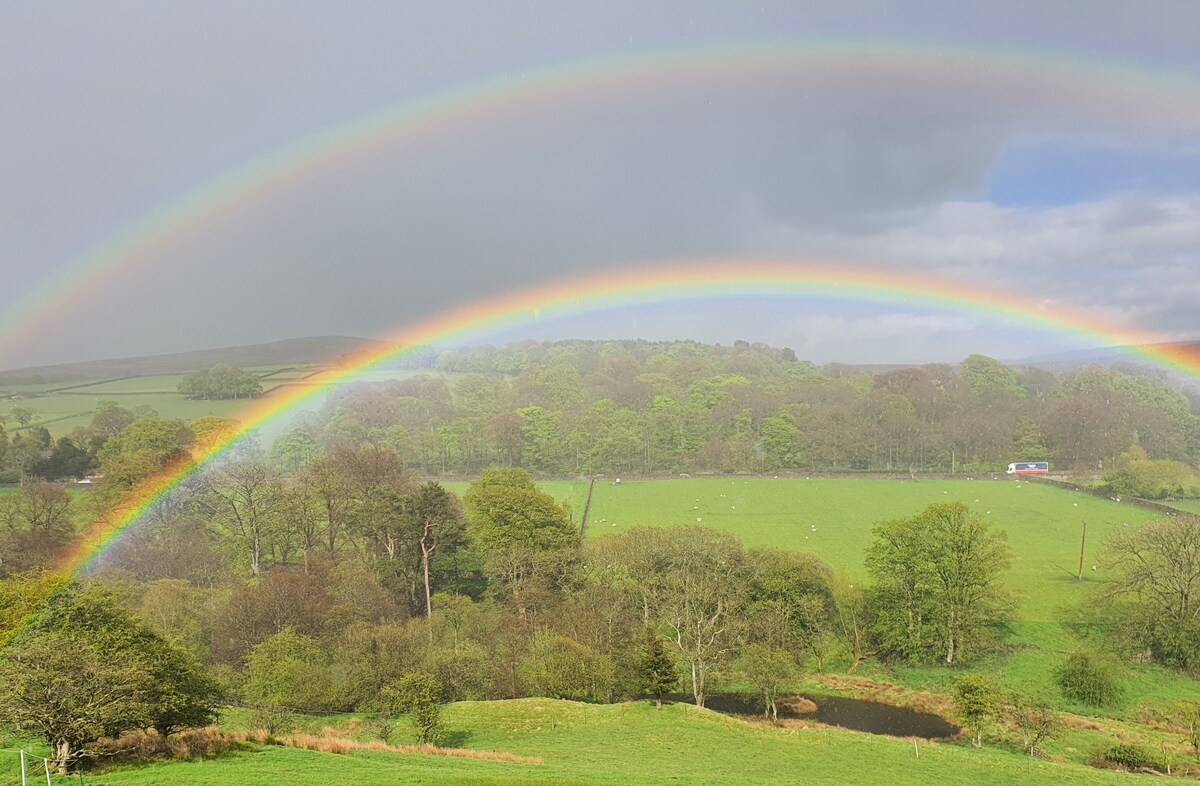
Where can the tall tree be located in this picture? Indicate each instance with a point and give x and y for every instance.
(655, 668)
(1154, 593)
(938, 582)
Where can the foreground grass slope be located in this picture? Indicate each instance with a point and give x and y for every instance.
(625, 744)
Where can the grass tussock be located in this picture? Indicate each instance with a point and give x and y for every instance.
(328, 742)
(188, 745)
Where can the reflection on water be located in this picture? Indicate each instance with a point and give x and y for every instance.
(858, 714)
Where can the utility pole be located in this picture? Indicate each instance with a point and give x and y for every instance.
(1082, 543)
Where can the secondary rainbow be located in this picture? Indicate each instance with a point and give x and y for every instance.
(1061, 84)
(660, 283)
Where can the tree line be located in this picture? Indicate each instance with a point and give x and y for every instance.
(570, 409)
(583, 408)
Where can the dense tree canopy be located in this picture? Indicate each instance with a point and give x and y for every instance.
(221, 382)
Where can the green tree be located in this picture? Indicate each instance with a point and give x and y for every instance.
(244, 502)
(937, 582)
(780, 441)
(290, 672)
(151, 435)
(438, 515)
(1154, 593)
(768, 669)
(1086, 679)
(526, 537)
(86, 668)
(67, 691)
(978, 702)
(985, 375)
(417, 695)
(655, 669)
(561, 668)
(1035, 719)
(1136, 475)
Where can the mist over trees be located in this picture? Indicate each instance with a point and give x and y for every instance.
(581, 408)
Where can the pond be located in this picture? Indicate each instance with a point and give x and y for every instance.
(873, 717)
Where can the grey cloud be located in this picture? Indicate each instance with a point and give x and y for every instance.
(125, 105)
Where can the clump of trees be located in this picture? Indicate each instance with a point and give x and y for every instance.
(86, 669)
(982, 706)
(221, 382)
(1151, 601)
(938, 593)
(634, 407)
(1137, 475)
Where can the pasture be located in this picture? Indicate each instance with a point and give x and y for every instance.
(64, 406)
(833, 517)
(627, 743)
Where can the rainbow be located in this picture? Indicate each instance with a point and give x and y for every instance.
(1078, 87)
(658, 283)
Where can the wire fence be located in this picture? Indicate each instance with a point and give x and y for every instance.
(35, 769)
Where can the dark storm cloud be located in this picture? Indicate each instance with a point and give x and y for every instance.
(121, 107)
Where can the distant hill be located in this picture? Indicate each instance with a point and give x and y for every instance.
(321, 350)
(1061, 362)
(317, 350)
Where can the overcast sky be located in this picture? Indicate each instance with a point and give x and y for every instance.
(111, 110)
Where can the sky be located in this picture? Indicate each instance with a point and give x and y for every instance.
(1082, 190)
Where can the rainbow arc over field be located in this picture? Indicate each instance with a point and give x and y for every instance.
(656, 283)
(1087, 88)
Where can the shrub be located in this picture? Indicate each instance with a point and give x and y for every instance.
(418, 695)
(1130, 757)
(1085, 679)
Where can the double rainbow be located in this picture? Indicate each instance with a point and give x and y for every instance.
(1090, 89)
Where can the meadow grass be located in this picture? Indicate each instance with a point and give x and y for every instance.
(1043, 525)
(627, 743)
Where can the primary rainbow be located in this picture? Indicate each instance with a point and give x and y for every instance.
(1076, 86)
(657, 283)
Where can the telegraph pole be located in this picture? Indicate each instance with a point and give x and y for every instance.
(1082, 543)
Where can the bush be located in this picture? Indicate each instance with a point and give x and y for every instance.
(418, 695)
(1130, 757)
(1085, 679)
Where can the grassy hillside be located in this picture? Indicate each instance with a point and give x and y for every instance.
(1043, 524)
(63, 407)
(317, 350)
(624, 744)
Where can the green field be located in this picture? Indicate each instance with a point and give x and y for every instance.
(64, 406)
(621, 744)
(1189, 505)
(1043, 524)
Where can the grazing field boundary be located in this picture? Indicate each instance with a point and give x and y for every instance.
(1148, 504)
(586, 507)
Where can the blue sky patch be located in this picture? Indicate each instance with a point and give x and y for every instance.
(1060, 173)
